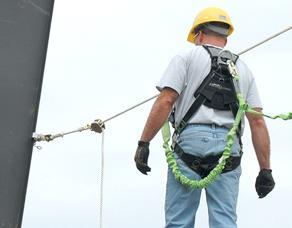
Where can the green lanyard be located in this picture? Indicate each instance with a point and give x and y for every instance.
(203, 183)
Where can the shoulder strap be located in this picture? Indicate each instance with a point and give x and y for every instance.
(215, 52)
(200, 99)
(192, 110)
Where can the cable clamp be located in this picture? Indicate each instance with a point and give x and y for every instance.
(97, 126)
(40, 137)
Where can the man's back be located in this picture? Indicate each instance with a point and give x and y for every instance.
(186, 72)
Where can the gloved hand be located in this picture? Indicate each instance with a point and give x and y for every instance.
(141, 157)
(264, 183)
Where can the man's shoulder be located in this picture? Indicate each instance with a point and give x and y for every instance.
(242, 65)
(189, 52)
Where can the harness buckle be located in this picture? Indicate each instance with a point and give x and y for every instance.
(174, 140)
(181, 126)
(228, 164)
(232, 69)
(223, 55)
(196, 164)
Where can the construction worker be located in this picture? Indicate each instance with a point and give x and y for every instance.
(200, 75)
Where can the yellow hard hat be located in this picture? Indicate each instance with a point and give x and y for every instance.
(210, 14)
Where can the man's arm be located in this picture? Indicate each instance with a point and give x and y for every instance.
(261, 141)
(260, 138)
(159, 113)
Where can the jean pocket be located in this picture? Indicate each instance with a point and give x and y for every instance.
(196, 145)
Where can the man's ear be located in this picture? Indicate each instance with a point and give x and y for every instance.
(201, 37)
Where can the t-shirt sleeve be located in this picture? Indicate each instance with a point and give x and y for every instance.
(248, 86)
(174, 76)
(253, 97)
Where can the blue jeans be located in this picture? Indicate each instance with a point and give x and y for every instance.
(181, 203)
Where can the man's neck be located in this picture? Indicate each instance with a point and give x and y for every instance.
(216, 43)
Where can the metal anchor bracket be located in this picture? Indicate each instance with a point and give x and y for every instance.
(97, 126)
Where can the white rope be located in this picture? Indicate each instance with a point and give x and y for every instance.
(101, 182)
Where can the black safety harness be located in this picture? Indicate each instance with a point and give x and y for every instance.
(217, 91)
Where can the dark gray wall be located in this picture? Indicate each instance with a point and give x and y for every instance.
(24, 32)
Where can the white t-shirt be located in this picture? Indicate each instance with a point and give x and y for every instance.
(185, 73)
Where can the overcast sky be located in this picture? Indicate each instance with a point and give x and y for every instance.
(105, 56)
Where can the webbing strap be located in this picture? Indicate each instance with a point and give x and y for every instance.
(192, 110)
(203, 165)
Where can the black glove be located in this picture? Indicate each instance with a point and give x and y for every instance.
(264, 183)
(141, 157)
